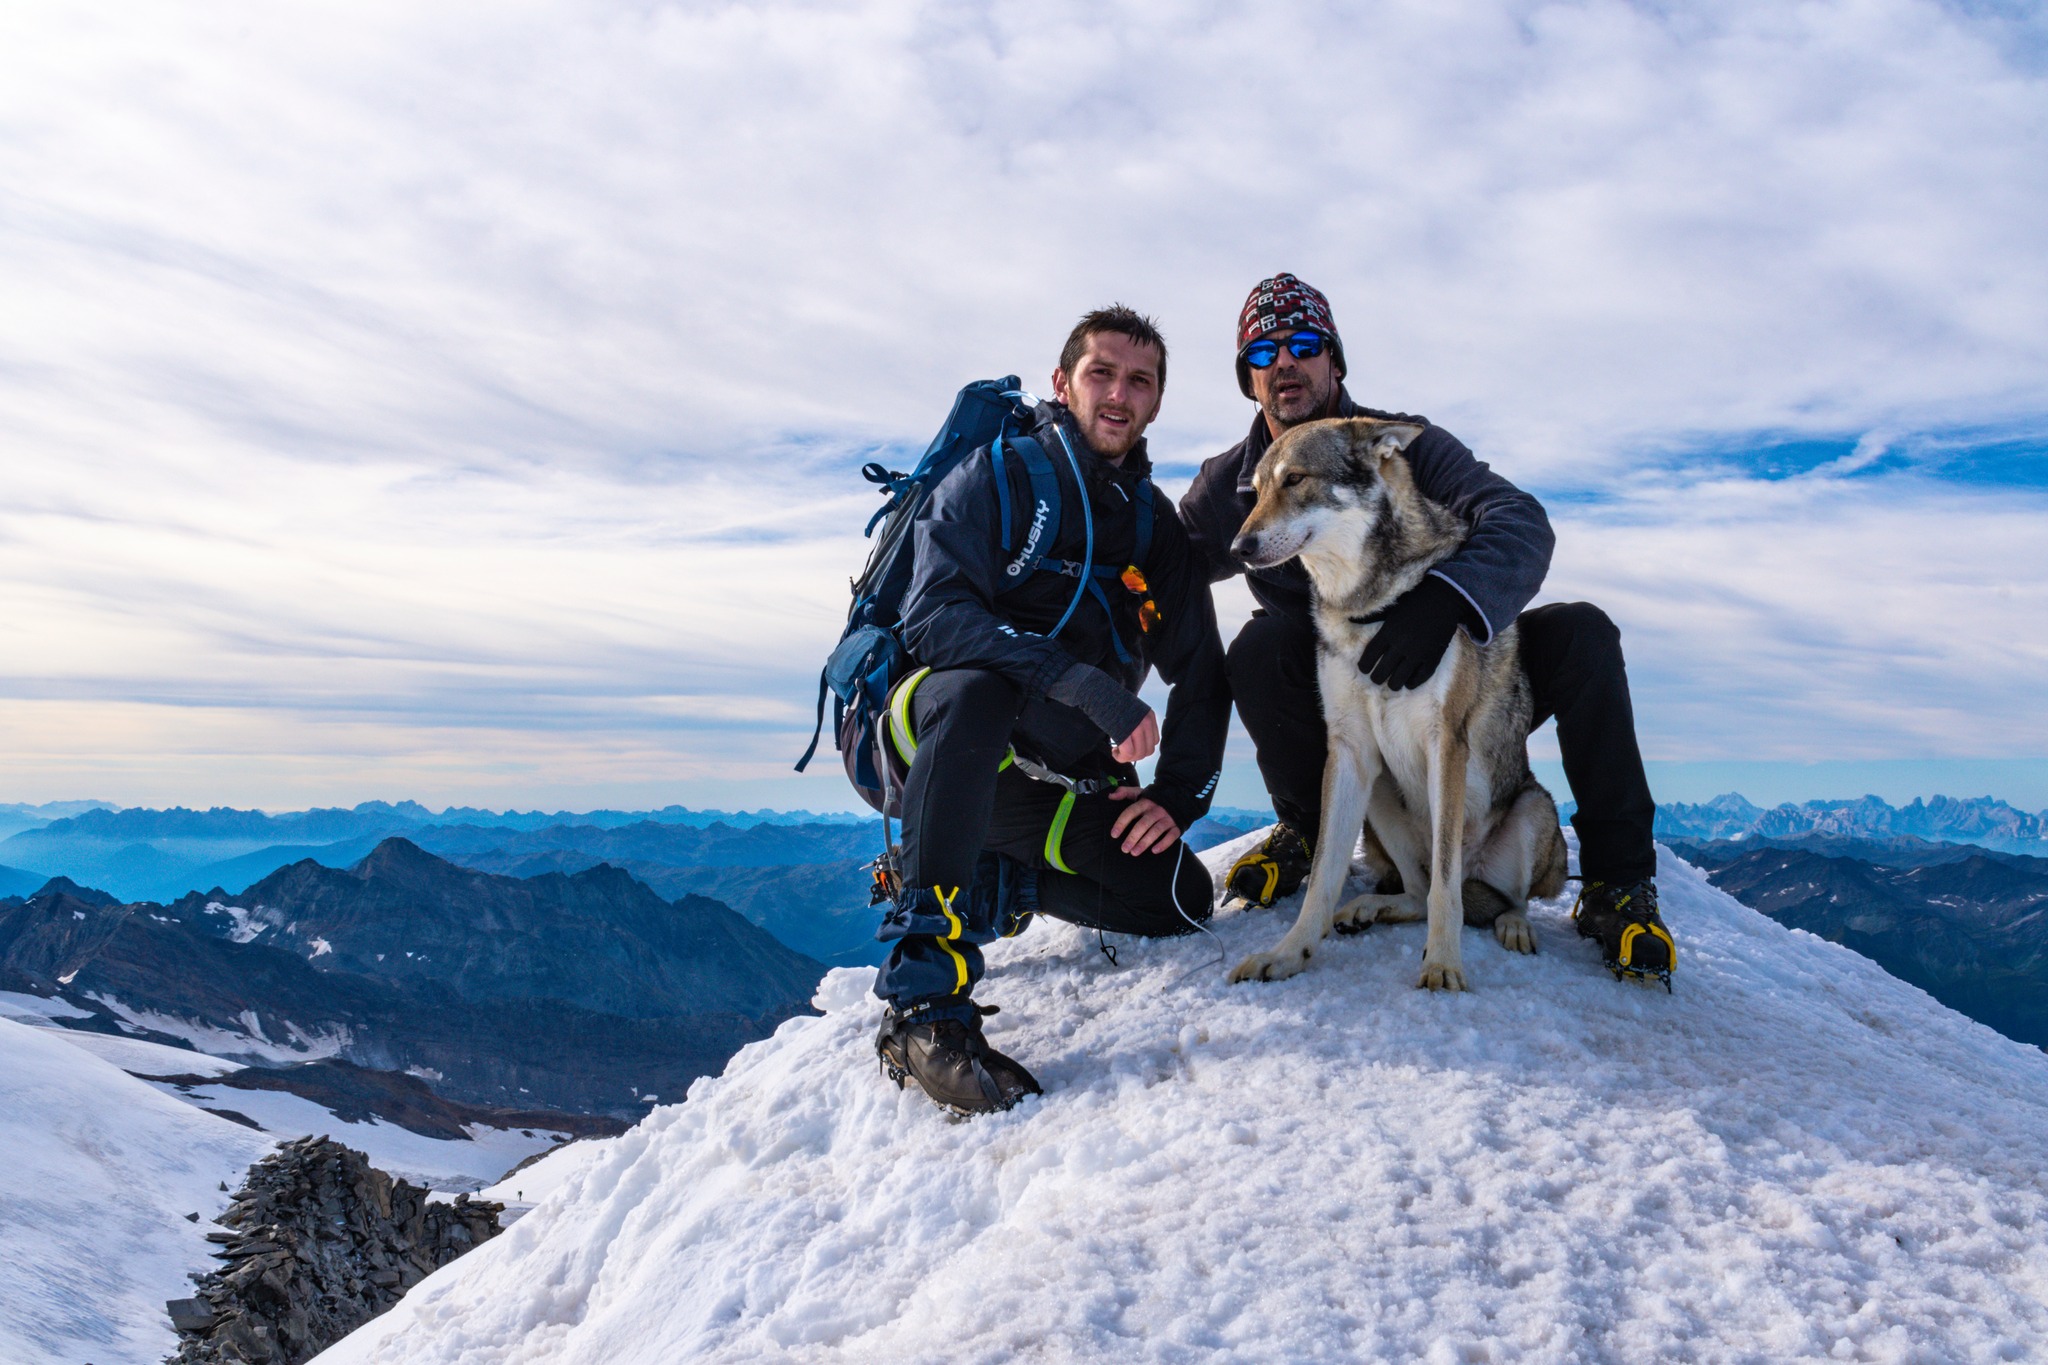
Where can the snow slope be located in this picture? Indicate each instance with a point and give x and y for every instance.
(451, 1164)
(97, 1173)
(1795, 1156)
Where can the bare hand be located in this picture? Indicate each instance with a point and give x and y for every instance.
(1144, 825)
(1141, 743)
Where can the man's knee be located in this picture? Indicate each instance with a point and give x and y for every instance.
(1245, 650)
(980, 688)
(976, 697)
(1271, 655)
(1180, 901)
(1571, 636)
(1589, 626)
(1164, 903)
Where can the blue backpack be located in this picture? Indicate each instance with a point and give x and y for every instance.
(870, 658)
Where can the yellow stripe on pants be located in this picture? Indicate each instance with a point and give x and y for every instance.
(956, 929)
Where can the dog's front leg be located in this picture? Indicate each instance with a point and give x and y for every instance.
(1408, 849)
(1348, 775)
(1442, 964)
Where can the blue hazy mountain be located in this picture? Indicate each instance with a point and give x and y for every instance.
(800, 875)
(140, 853)
(16, 816)
(15, 882)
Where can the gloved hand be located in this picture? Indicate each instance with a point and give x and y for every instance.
(1416, 632)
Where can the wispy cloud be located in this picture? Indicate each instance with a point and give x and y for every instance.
(1824, 618)
(485, 382)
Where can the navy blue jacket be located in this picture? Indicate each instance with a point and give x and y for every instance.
(962, 611)
(1498, 571)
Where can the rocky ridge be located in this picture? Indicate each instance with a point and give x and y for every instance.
(317, 1243)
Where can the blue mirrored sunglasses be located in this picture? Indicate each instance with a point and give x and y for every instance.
(1302, 346)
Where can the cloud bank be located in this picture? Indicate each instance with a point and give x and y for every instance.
(464, 400)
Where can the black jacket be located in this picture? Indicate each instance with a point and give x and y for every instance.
(1499, 570)
(962, 611)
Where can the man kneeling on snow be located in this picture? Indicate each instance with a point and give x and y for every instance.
(1021, 730)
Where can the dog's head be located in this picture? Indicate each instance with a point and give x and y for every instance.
(1331, 480)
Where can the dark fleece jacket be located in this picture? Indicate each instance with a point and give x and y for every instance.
(1498, 571)
(963, 611)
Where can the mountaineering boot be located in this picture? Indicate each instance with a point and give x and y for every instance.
(1274, 869)
(1633, 939)
(951, 1062)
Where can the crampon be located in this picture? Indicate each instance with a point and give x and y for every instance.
(1623, 918)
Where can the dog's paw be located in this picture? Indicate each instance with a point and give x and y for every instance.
(1441, 976)
(1402, 909)
(1275, 966)
(1356, 917)
(1514, 932)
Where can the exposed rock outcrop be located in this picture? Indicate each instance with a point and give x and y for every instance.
(318, 1242)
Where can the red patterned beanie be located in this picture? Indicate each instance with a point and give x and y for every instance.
(1284, 304)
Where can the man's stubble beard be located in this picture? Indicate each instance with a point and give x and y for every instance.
(1100, 439)
(1310, 404)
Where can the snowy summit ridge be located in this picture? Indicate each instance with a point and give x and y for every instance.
(1794, 1156)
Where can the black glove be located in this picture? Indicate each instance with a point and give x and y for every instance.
(1416, 632)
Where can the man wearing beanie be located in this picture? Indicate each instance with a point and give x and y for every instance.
(1290, 361)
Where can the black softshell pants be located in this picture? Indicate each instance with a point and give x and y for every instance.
(1571, 652)
(956, 805)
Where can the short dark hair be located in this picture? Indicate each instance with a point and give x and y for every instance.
(1116, 318)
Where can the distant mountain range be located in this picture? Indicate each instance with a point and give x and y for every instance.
(587, 993)
(161, 854)
(1981, 820)
(802, 877)
(1968, 926)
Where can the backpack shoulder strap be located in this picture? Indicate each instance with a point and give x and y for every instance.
(1146, 495)
(1001, 472)
(1044, 523)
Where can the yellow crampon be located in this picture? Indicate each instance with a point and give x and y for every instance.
(1264, 870)
(1628, 955)
(1276, 868)
(1658, 932)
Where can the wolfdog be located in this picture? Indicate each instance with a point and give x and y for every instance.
(1442, 770)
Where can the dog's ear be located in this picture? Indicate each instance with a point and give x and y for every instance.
(1388, 439)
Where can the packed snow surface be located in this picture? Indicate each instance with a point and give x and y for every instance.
(251, 1045)
(449, 1164)
(37, 1009)
(1794, 1157)
(97, 1175)
(140, 1057)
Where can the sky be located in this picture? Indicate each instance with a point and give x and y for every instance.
(465, 402)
